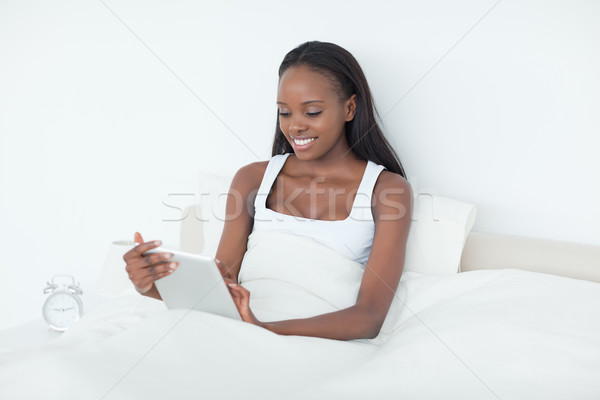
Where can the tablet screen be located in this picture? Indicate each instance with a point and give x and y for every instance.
(196, 284)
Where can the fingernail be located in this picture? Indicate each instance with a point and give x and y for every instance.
(217, 260)
(232, 284)
(157, 242)
(173, 265)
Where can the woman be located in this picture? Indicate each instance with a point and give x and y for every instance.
(326, 136)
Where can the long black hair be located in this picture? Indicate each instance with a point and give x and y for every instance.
(365, 138)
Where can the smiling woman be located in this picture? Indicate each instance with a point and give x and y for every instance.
(329, 71)
(317, 124)
(332, 177)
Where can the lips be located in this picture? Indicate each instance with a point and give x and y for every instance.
(303, 142)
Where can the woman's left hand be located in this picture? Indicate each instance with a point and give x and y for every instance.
(241, 297)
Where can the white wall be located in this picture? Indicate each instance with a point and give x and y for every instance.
(109, 108)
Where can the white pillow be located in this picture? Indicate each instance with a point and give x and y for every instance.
(438, 231)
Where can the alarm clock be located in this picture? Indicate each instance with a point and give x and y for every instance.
(63, 307)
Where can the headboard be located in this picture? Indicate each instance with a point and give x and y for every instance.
(496, 251)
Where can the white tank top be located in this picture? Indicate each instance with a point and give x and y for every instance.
(352, 237)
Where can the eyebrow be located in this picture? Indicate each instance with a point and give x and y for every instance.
(306, 102)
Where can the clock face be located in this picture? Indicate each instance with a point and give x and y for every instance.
(61, 310)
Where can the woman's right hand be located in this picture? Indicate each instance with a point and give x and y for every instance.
(144, 270)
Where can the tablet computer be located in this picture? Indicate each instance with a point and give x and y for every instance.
(196, 284)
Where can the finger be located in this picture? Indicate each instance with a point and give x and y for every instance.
(245, 297)
(220, 266)
(161, 275)
(235, 297)
(244, 294)
(234, 291)
(155, 269)
(136, 264)
(228, 280)
(239, 287)
(154, 258)
(140, 249)
(223, 268)
(148, 280)
(239, 292)
(149, 259)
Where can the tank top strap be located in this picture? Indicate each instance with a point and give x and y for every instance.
(361, 209)
(273, 167)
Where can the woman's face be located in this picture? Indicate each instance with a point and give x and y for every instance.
(311, 115)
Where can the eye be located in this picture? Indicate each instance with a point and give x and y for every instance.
(310, 114)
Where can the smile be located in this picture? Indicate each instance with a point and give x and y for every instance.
(302, 142)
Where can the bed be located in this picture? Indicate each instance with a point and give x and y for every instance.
(486, 317)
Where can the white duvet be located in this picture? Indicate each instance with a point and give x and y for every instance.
(503, 334)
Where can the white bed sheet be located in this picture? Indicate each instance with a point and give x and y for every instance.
(502, 334)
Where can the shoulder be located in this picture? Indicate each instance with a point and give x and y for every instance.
(245, 184)
(392, 194)
(250, 175)
(252, 171)
(390, 180)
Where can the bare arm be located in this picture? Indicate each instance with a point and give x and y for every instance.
(144, 270)
(239, 217)
(392, 213)
(350, 323)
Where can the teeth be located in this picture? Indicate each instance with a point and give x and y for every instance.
(303, 142)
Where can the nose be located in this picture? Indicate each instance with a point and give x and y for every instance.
(296, 125)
